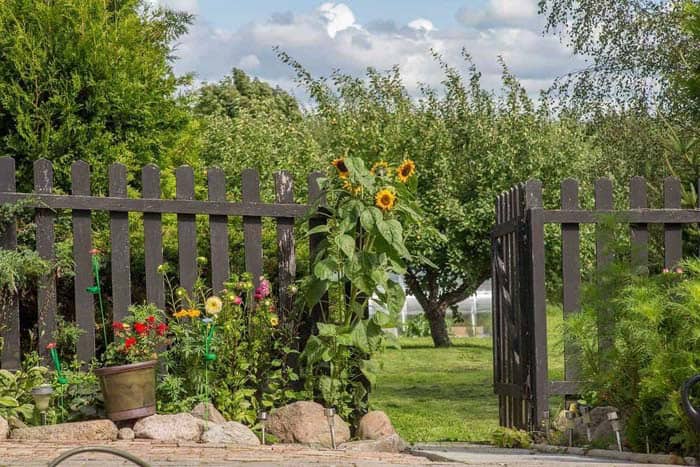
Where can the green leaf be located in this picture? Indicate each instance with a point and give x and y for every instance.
(359, 337)
(369, 369)
(367, 220)
(325, 329)
(395, 297)
(326, 270)
(323, 228)
(346, 244)
(7, 401)
(315, 292)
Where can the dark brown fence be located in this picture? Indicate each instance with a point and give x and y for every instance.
(81, 204)
(519, 297)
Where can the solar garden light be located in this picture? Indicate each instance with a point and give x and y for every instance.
(545, 422)
(330, 415)
(586, 415)
(42, 398)
(570, 424)
(615, 423)
(262, 418)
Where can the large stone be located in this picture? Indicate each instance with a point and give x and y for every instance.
(176, 427)
(231, 433)
(206, 411)
(93, 430)
(126, 433)
(375, 425)
(4, 429)
(390, 443)
(305, 422)
(601, 429)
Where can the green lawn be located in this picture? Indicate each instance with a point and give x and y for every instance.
(446, 394)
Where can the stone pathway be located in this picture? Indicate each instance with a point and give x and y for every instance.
(33, 454)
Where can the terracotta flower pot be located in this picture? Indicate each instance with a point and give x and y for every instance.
(129, 391)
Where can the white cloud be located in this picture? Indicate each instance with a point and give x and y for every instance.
(330, 37)
(190, 6)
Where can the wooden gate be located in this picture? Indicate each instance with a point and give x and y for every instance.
(519, 304)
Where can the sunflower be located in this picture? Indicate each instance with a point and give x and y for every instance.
(385, 199)
(351, 189)
(213, 305)
(339, 164)
(379, 168)
(405, 170)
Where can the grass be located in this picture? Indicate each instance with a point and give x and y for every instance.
(446, 394)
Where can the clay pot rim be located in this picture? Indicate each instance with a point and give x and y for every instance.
(116, 369)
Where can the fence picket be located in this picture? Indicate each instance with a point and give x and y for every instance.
(82, 244)
(252, 225)
(639, 233)
(153, 237)
(673, 233)
(186, 230)
(317, 199)
(571, 273)
(218, 232)
(286, 259)
(119, 238)
(45, 239)
(9, 309)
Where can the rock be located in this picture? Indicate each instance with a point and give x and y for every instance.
(126, 433)
(375, 425)
(176, 427)
(601, 430)
(16, 423)
(206, 411)
(231, 433)
(93, 430)
(4, 429)
(304, 422)
(390, 443)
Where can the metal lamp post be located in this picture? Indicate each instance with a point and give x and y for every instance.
(330, 416)
(586, 415)
(570, 424)
(615, 423)
(262, 418)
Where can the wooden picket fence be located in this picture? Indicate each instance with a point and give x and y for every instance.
(82, 204)
(521, 369)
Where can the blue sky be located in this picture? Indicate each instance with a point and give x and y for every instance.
(352, 35)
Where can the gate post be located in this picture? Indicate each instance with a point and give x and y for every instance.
(537, 303)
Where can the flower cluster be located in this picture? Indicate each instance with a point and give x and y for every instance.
(137, 337)
(385, 197)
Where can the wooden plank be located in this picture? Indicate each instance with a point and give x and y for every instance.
(218, 232)
(565, 388)
(495, 313)
(673, 233)
(45, 239)
(9, 310)
(252, 225)
(186, 230)
(516, 312)
(119, 238)
(153, 237)
(82, 244)
(639, 233)
(571, 273)
(163, 206)
(632, 216)
(533, 202)
(603, 201)
(286, 259)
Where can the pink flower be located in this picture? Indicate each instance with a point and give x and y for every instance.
(94, 251)
(666, 271)
(258, 296)
(264, 287)
(679, 270)
(51, 345)
(237, 300)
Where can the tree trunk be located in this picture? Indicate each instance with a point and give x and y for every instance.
(438, 328)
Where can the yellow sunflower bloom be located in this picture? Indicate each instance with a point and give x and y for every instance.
(339, 164)
(193, 313)
(351, 189)
(213, 305)
(379, 168)
(406, 170)
(385, 199)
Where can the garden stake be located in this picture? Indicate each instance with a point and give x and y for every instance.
(330, 415)
(208, 357)
(615, 422)
(586, 414)
(262, 418)
(97, 289)
(59, 371)
(570, 415)
(545, 422)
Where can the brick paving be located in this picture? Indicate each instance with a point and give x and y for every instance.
(32, 453)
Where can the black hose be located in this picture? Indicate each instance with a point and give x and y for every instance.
(692, 413)
(103, 449)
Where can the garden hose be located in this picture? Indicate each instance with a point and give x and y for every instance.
(103, 449)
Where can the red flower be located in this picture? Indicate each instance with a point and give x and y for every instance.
(129, 342)
(118, 326)
(50, 345)
(151, 319)
(161, 329)
(140, 328)
(94, 251)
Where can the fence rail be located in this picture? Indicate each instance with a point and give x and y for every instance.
(519, 297)
(82, 204)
